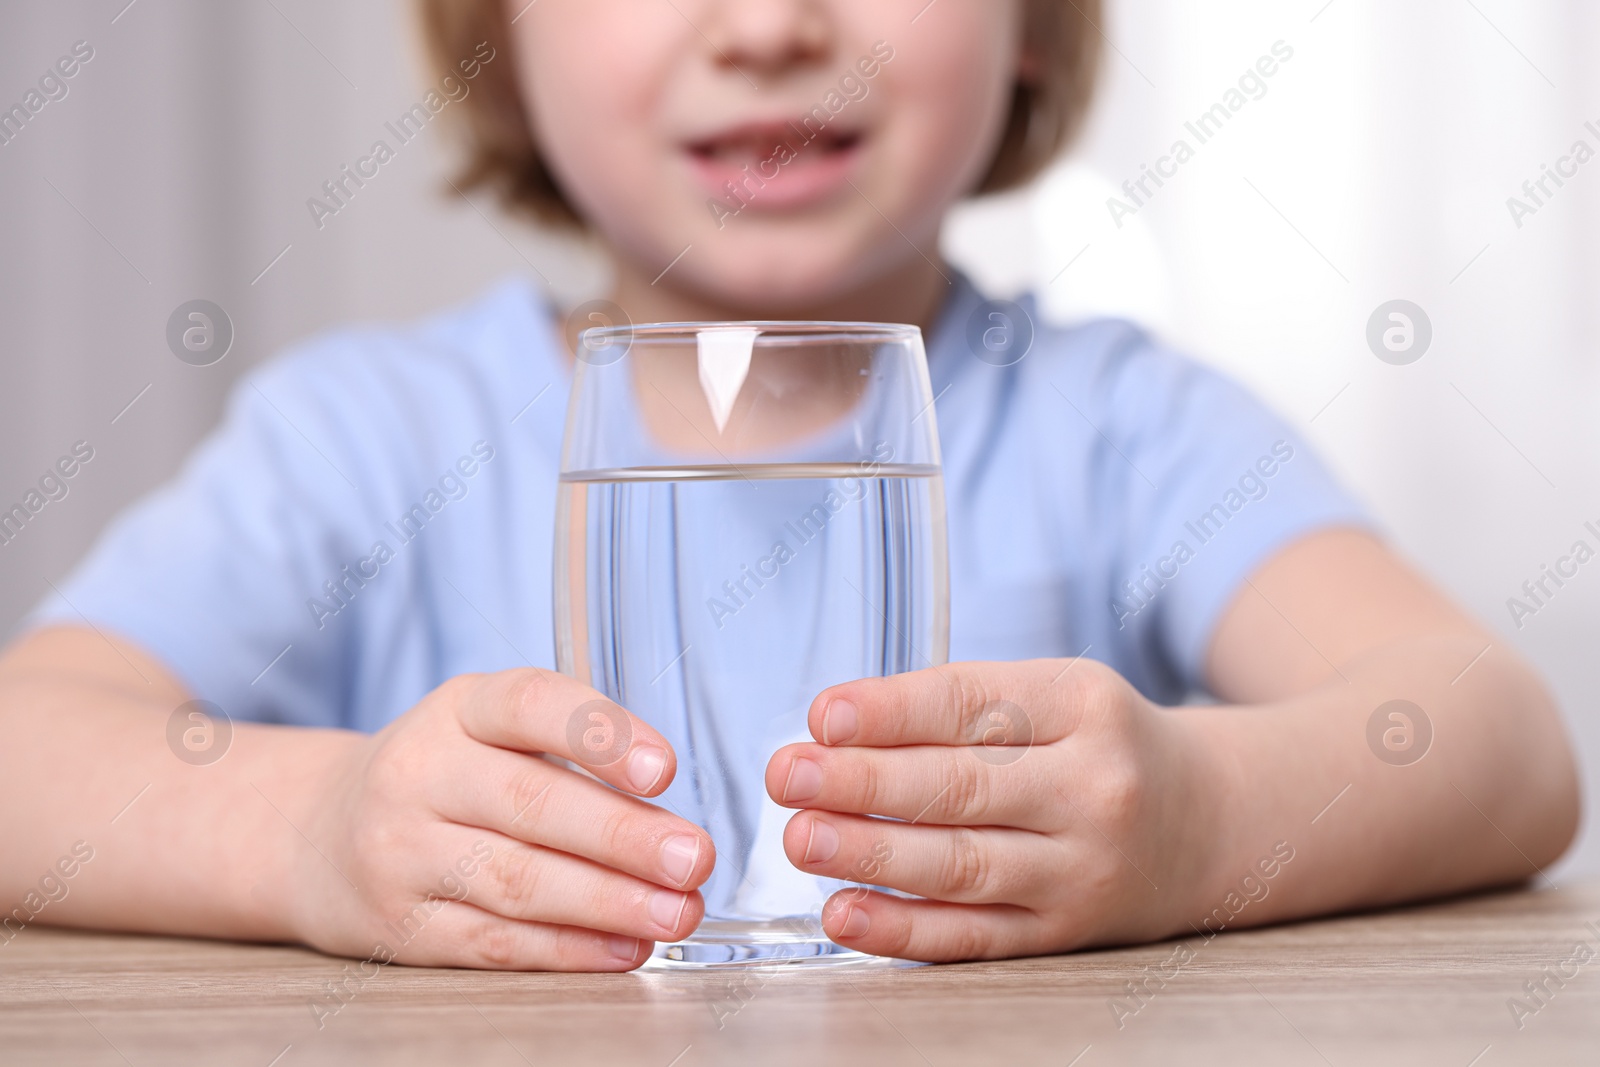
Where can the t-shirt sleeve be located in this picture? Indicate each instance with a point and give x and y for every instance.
(1217, 486)
(212, 573)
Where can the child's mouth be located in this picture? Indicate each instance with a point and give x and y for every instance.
(774, 166)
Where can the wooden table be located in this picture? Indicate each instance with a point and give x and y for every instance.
(1426, 985)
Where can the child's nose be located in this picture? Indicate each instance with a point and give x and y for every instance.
(768, 35)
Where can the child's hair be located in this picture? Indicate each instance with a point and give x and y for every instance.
(1046, 113)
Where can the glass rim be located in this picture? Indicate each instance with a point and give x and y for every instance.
(688, 331)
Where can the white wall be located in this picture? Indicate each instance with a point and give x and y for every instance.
(1376, 167)
(1391, 142)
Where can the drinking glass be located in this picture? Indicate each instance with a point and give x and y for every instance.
(748, 513)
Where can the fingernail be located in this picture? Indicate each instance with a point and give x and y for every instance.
(678, 858)
(623, 948)
(804, 782)
(856, 923)
(838, 722)
(666, 908)
(645, 768)
(822, 844)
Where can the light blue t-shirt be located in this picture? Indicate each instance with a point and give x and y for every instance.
(375, 515)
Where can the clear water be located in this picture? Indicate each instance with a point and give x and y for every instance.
(715, 603)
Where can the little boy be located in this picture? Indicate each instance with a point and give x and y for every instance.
(1126, 528)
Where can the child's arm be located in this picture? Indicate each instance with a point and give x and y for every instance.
(439, 840)
(1123, 821)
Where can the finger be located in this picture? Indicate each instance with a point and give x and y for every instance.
(542, 711)
(521, 881)
(448, 933)
(535, 801)
(931, 930)
(995, 704)
(923, 783)
(951, 863)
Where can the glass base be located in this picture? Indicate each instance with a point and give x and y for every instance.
(744, 943)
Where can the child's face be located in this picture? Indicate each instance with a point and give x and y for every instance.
(645, 109)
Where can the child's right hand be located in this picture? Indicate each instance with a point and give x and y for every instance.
(445, 840)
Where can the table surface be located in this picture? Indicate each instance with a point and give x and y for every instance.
(1431, 984)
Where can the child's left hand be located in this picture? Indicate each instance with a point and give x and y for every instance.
(1051, 836)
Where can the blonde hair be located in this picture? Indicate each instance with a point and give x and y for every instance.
(1047, 111)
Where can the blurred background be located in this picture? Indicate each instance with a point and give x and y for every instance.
(1376, 166)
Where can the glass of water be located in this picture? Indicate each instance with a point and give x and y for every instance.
(748, 514)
